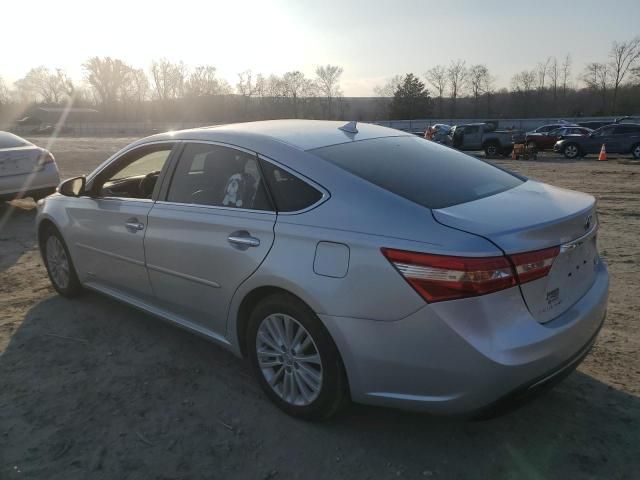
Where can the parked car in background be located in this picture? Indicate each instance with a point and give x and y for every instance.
(539, 136)
(434, 282)
(26, 170)
(438, 133)
(618, 138)
(594, 124)
(484, 136)
(546, 140)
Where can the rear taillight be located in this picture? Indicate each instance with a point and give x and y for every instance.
(46, 157)
(441, 277)
(438, 277)
(533, 265)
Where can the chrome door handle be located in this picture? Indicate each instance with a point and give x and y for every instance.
(134, 225)
(243, 240)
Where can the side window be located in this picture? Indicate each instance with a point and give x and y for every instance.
(218, 176)
(626, 129)
(135, 174)
(289, 192)
(604, 131)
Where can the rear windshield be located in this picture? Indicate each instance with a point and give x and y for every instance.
(421, 171)
(9, 140)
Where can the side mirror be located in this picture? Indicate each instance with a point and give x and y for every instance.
(73, 187)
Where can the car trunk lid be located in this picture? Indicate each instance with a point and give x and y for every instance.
(531, 217)
(19, 161)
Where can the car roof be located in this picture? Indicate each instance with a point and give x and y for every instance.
(300, 134)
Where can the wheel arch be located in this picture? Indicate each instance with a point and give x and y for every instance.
(42, 226)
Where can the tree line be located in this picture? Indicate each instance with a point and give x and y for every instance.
(172, 90)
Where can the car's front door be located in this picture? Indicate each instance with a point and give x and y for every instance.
(110, 222)
(208, 232)
(604, 136)
(472, 137)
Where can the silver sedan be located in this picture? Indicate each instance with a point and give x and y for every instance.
(26, 170)
(345, 261)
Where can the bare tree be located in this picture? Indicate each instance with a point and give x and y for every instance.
(204, 82)
(597, 77)
(488, 88)
(109, 79)
(457, 76)
(4, 92)
(168, 79)
(541, 73)
(566, 73)
(622, 57)
(477, 81)
(522, 85)
(296, 87)
(139, 85)
(328, 80)
(554, 76)
(437, 78)
(385, 93)
(40, 83)
(246, 85)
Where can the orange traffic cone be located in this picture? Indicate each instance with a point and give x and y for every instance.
(603, 153)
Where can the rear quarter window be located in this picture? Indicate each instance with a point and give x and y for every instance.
(9, 140)
(421, 171)
(290, 193)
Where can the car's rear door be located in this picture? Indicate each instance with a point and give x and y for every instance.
(109, 223)
(211, 229)
(627, 136)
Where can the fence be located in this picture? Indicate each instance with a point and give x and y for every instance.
(118, 129)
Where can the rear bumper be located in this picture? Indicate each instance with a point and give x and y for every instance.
(45, 180)
(466, 356)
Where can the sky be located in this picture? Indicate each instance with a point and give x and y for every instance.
(372, 40)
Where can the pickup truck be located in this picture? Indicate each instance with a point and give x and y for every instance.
(484, 136)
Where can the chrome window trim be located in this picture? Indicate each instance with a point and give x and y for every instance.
(216, 207)
(325, 193)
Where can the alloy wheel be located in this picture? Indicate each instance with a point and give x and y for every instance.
(57, 262)
(636, 151)
(289, 359)
(571, 151)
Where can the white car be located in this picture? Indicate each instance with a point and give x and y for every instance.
(26, 170)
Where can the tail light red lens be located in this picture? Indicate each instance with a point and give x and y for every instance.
(533, 265)
(46, 157)
(440, 277)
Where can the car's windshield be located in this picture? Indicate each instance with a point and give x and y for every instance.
(416, 169)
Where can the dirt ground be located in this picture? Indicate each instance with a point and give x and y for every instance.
(91, 388)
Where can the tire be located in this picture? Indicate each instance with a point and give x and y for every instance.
(571, 151)
(491, 150)
(635, 151)
(58, 263)
(316, 391)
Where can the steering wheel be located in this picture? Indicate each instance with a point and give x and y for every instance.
(147, 184)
